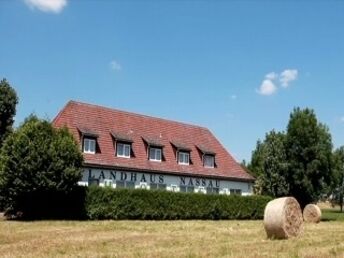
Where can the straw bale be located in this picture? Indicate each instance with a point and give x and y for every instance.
(311, 213)
(283, 218)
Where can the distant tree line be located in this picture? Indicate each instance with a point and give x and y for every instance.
(299, 162)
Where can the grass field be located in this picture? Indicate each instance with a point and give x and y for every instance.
(165, 239)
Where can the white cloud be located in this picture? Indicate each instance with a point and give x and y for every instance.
(287, 76)
(342, 119)
(273, 81)
(52, 6)
(115, 65)
(271, 76)
(267, 88)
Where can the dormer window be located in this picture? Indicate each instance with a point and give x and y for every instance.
(123, 150)
(182, 152)
(155, 154)
(122, 143)
(89, 140)
(208, 156)
(183, 158)
(154, 148)
(208, 161)
(89, 146)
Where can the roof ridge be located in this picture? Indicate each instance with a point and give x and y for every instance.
(136, 114)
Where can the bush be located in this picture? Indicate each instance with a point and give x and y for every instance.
(38, 163)
(108, 203)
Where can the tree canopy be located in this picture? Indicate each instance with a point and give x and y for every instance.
(8, 102)
(270, 165)
(338, 186)
(296, 163)
(37, 158)
(309, 154)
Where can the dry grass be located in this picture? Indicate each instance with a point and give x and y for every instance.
(164, 239)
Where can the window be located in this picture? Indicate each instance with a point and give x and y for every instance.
(212, 190)
(154, 154)
(129, 184)
(108, 182)
(158, 186)
(123, 150)
(187, 189)
(89, 145)
(125, 184)
(93, 181)
(120, 184)
(183, 158)
(235, 191)
(208, 161)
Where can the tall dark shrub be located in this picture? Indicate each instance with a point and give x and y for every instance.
(38, 162)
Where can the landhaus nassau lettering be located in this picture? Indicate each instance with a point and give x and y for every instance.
(128, 150)
(113, 176)
(125, 176)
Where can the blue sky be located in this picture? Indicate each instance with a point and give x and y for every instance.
(236, 67)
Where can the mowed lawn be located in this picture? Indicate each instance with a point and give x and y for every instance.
(164, 239)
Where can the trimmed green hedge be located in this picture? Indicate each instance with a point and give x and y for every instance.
(108, 203)
(98, 203)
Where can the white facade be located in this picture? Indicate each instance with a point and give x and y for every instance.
(178, 183)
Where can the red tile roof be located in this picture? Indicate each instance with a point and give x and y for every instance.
(106, 122)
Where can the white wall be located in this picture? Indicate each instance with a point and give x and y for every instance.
(173, 183)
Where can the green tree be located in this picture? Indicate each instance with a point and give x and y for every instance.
(309, 155)
(256, 165)
(37, 159)
(270, 165)
(8, 102)
(338, 189)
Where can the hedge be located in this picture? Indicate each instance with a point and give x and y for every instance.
(97, 203)
(109, 203)
(37, 205)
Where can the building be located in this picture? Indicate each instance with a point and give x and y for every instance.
(123, 149)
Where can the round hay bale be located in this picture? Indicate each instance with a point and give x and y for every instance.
(311, 213)
(283, 218)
